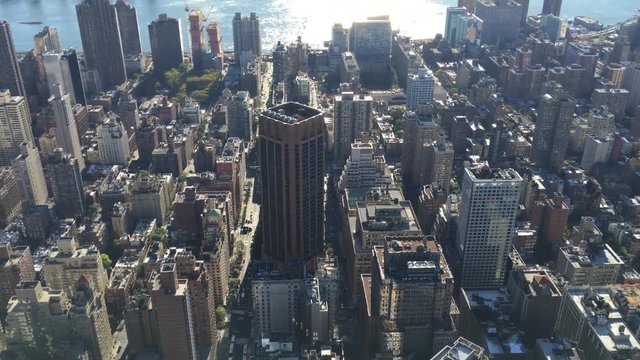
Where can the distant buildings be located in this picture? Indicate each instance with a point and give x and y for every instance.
(240, 115)
(196, 35)
(128, 27)
(165, 36)
(551, 7)
(291, 152)
(486, 226)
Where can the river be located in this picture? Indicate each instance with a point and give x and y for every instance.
(280, 19)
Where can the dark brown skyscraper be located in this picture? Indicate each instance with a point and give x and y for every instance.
(166, 43)
(291, 151)
(128, 25)
(101, 42)
(552, 7)
(10, 75)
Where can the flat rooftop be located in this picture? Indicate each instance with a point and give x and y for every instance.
(291, 112)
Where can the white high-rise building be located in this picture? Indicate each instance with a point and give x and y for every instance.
(486, 225)
(15, 126)
(596, 150)
(66, 130)
(352, 117)
(420, 88)
(113, 143)
(30, 175)
(278, 304)
(62, 69)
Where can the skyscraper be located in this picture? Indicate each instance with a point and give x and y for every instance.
(15, 126)
(411, 294)
(10, 75)
(352, 116)
(89, 320)
(553, 124)
(171, 299)
(28, 170)
(101, 41)
(246, 35)
(371, 43)
(239, 111)
(47, 40)
(486, 226)
(215, 40)
(552, 7)
(420, 88)
(280, 63)
(291, 153)
(63, 172)
(128, 26)
(196, 25)
(501, 19)
(165, 36)
(62, 68)
(66, 130)
(461, 26)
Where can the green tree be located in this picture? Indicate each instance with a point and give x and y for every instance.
(221, 314)
(396, 112)
(106, 261)
(173, 79)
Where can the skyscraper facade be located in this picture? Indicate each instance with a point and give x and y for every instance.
(215, 39)
(10, 75)
(28, 170)
(128, 25)
(501, 19)
(165, 36)
(239, 111)
(63, 174)
(47, 40)
(246, 35)
(101, 41)
(291, 153)
(371, 44)
(461, 26)
(553, 124)
(66, 131)
(486, 226)
(62, 68)
(15, 126)
(420, 88)
(352, 116)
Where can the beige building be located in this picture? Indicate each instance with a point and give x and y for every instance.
(89, 320)
(17, 266)
(589, 264)
(411, 295)
(15, 127)
(36, 316)
(67, 262)
(365, 169)
(590, 317)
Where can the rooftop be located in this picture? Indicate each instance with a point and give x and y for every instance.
(291, 112)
